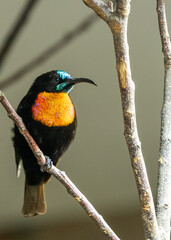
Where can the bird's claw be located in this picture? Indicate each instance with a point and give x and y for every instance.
(47, 166)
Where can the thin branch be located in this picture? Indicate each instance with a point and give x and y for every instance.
(163, 205)
(16, 29)
(164, 33)
(118, 25)
(59, 175)
(45, 55)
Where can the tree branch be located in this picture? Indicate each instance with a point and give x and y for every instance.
(101, 9)
(163, 206)
(59, 175)
(16, 29)
(56, 47)
(118, 25)
(164, 34)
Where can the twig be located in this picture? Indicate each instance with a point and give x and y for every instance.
(56, 47)
(117, 22)
(16, 29)
(59, 175)
(163, 206)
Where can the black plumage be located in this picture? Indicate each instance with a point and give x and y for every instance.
(52, 140)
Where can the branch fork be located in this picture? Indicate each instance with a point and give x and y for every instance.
(117, 19)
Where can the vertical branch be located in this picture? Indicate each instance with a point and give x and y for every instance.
(16, 29)
(163, 205)
(117, 22)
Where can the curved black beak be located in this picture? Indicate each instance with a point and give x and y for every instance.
(80, 80)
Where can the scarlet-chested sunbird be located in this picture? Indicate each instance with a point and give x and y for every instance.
(50, 117)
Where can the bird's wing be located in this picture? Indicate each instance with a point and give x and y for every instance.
(18, 163)
(23, 111)
(24, 105)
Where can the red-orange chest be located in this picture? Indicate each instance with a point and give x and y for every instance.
(53, 109)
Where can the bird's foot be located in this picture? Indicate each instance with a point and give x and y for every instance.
(47, 166)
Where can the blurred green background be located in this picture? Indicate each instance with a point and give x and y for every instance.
(97, 161)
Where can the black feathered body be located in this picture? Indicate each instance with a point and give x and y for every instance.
(50, 118)
(53, 141)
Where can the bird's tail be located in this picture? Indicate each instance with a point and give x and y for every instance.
(34, 200)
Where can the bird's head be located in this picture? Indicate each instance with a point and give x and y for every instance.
(57, 81)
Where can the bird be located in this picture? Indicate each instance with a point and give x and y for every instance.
(50, 117)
